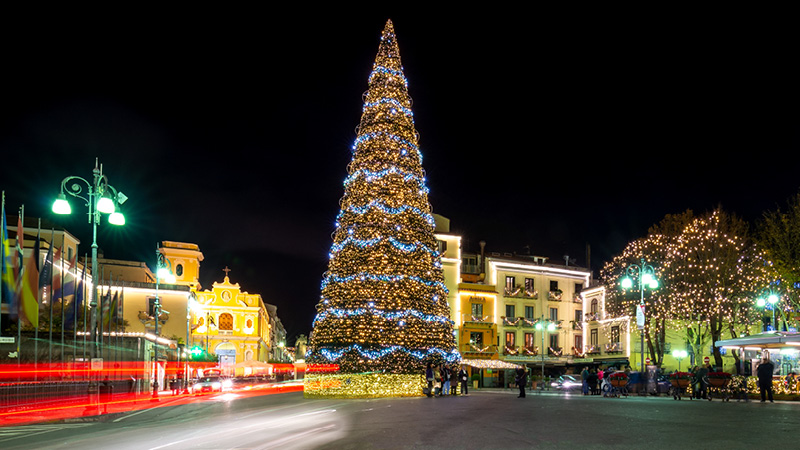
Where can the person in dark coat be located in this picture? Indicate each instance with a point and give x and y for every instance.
(591, 380)
(521, 380)
(462, 377)
(429, 379)
(700, 381)
(453, 381)
(764, 372)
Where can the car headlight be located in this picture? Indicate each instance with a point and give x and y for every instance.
(216, 385)
(227, 383)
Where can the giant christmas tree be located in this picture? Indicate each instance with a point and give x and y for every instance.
(384, 305)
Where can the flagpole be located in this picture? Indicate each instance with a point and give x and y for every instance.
(50, 299)
(3, 270)
(63, 292)
(20, 244)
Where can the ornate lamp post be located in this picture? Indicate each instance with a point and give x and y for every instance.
(771, 298)
(163, 272)
(679, 355)
(100, 197)
(646, 276)
(544, 326)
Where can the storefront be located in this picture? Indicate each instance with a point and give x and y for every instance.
(781, 347)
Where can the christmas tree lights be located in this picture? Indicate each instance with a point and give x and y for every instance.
(383, 308)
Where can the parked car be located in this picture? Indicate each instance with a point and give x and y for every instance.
(211, 384)
(566, 383)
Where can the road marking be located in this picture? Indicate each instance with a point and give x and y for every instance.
(9, 434)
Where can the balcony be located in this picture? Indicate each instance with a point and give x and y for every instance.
(473, 319)
(593, 350)
(471, 350)
(576, 298)
(530, 351)
(510, 351)
(534, 294)
(512, 292)
(554, 296)
(511, 321)
(589, 317)
(555, 351)
(528, 323)
(614, 347)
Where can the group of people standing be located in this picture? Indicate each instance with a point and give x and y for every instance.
(443, 380)
(591, 381)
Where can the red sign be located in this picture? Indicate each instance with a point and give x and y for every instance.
(706, 360)
(647, 361)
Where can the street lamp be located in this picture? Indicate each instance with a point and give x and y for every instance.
(163, 272)
(100, 197)
(545, 327)
(646, 275)
(679, 355)
(768, 296)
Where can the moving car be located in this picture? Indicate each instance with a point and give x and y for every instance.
(212, 383)
(566, 383)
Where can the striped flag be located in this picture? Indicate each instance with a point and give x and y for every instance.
(8, 280)
(29, 288)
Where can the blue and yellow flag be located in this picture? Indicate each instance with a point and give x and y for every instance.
(7, 272)
(29, 289)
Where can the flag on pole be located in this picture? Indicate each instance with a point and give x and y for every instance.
(58, 273)
(29, 287)
(8, 280)
(110, 310)
(77, 289)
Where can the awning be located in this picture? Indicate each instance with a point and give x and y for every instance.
(775, 339)
(489, 364)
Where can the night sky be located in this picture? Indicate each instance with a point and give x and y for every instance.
(554, 130)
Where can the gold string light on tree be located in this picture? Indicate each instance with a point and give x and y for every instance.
(383, 305)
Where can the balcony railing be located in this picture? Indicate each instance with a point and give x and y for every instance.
(554, 296)
(591, 316)
(577, 298)
(474, 349)
(512, 292)
(511, 321)
(510, 350)
(534, 294)
(530, 351)
(528, 323)
(592, 350)
(555, 351)
(614, 347)
(471, 318)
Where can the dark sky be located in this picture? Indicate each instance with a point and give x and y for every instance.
(232, 129)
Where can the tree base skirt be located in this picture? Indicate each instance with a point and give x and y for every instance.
(363, 385)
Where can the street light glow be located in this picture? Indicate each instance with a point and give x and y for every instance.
(627, 283)
(61, 205)
(105, 205)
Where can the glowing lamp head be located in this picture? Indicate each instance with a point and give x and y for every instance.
(679, 354)
(627, 283)
(105, 205)
(653, 284)
(760, 302)
(772, 299)
(647, 278)
(61, 205)
(551, 327)
(116, 218)
(538, 325)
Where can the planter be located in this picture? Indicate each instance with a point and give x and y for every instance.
(680, 383)
(618, 382)
(719, 382)
(475, 384)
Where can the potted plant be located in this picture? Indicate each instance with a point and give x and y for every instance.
(719, 379)
(680, 379)
(475, 380)
(618, 379)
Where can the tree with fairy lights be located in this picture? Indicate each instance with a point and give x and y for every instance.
(383, 305)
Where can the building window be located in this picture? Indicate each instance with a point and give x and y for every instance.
(615, 335)
(151, 306)
(225, 321)
(554, 314)
(511, 338)
(529, 312)
(579, 343)
(529, 341)
(593, 307)
(510, 313)
(477, 310)
(476, 339)
(529, 284)
(511, 284)
(554, 286)
(179, 270)
(442, 247)
(578, 288)
(593, 338)
(578, 316)
(554, 341)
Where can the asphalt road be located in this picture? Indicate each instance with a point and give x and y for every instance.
(482, 420)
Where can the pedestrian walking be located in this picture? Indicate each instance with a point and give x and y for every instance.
(453, 380)
(521, 380)
(591, 381)
(700, 381)
(463, 377)
(437, 377)
(764, 372)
